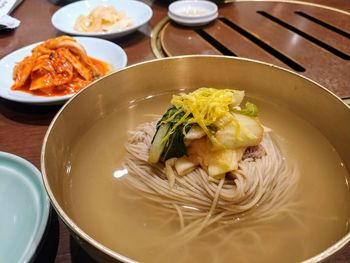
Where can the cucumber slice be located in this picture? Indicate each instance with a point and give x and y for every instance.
(158, 144)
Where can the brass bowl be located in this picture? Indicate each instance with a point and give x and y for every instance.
(142, 80)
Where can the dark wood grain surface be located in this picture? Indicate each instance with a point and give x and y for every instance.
(22, 127)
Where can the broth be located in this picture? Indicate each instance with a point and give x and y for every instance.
(117, 216)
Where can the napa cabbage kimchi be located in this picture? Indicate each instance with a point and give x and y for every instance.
(58, 66)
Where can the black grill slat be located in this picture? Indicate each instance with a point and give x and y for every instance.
(277, 54)
(308, 37)
(220, 47)
(324, 24)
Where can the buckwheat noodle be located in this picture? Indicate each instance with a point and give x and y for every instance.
(261, 189)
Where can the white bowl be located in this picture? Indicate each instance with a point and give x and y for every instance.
(64, 18)
(192, 9)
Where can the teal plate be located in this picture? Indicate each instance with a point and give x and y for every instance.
(24, 209)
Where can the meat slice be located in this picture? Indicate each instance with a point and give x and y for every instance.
(254, 152)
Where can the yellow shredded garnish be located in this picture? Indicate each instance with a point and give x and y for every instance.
(207, 105)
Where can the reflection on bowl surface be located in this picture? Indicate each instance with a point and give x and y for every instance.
(91, 192)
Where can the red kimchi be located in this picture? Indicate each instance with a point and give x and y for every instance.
(58, 66)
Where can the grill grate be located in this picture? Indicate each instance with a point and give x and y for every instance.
(311, 40)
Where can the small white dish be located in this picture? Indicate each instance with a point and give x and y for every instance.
(97, 48)
(25, 209)
(64, 18)
(192, 12)
(193, 9)
(193, 21)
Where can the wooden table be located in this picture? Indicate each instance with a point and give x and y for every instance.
(22, 127)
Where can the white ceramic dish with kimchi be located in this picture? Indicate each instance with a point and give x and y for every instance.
(13, 67)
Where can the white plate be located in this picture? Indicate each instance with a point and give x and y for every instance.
(97, 48)
(24, 211)
(64, 19)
